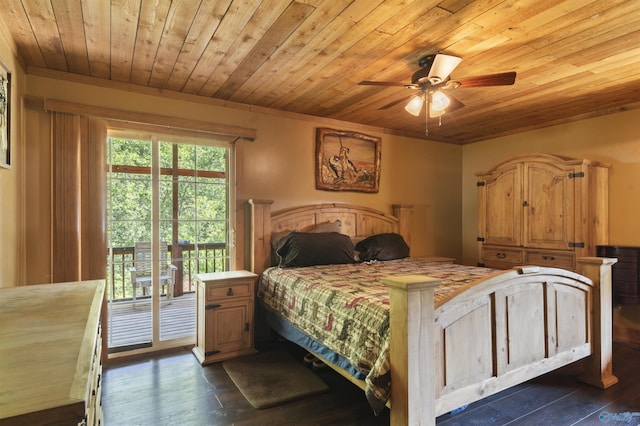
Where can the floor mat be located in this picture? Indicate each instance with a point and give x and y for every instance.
(273, 378)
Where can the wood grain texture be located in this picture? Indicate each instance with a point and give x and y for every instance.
(189, 127)
(574, 59)
(78, 233)
(93, 233)
(542, 209)
(225, 315)
(356, 221)
(66, 169)
(48, 337)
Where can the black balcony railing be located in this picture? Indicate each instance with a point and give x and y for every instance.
(190, 259)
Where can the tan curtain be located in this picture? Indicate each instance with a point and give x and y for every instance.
(79, 248)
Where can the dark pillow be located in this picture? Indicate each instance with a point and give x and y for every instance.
(276, 237)
(382, 247)
(308, 249)
(334, 226)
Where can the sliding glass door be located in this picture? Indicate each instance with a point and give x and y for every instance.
(170, 206)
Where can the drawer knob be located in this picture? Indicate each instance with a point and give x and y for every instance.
(230, 292)
(548, 257)
(501, 255)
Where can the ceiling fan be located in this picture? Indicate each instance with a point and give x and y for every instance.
(434, 75)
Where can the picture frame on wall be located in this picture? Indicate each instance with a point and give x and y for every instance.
(347, 161)
(5, 117)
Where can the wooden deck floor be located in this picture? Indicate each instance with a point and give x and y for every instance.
(130, 324)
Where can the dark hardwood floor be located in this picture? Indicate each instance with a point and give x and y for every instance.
(173, 389)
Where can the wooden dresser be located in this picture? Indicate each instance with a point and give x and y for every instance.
(50, 354)
(540, 209)
(625, 274)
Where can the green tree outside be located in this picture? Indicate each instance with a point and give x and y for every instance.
(201, 212)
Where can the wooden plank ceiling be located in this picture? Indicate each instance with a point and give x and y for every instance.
(574, 59)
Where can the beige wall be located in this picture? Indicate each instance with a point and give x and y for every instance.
(278, 165)
(11, 248)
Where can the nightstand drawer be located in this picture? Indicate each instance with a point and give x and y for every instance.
(219, 292)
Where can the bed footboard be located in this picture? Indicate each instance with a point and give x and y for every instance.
(505, 330)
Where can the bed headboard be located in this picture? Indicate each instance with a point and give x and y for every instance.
(356, 221)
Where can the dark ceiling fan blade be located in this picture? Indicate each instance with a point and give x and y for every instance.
(501, 79)
(396, 102)
(383, 83)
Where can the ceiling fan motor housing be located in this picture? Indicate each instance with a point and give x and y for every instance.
(425, 63)
(435, 69)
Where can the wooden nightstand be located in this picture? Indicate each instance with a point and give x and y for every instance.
(224, 315)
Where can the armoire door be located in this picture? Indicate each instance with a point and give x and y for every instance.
(500, 201)
(548, 206)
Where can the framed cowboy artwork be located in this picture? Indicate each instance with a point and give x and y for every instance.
(347, 161)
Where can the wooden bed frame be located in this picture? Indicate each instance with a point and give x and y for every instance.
(504, 330)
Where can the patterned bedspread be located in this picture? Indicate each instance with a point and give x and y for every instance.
(346, 308)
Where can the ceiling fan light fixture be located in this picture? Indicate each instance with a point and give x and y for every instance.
(414, 106)
(439, 102)
(433, 75)
(435, 113)
(442, 66)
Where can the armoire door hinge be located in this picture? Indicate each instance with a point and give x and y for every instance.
(576, 175)
(480, 183)
(481, 239)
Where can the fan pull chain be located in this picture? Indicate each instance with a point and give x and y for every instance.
(427, 104)
(426, 121)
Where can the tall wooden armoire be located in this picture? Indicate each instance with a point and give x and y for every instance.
(540, 209)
